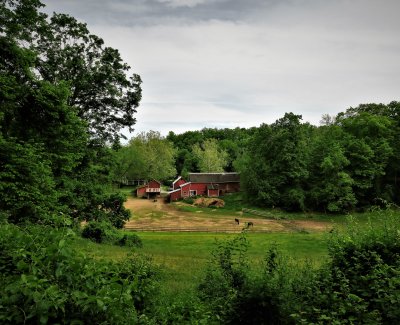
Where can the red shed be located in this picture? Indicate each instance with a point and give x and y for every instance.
(141, 191)
(150, 190)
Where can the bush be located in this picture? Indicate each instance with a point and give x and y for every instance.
(100, 232)
(184, 307)
(225, 277)
(131, 240)
(43, 279)
(361, 283)
(189, 200)
(104, 232)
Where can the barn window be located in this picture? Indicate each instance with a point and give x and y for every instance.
(193, 193)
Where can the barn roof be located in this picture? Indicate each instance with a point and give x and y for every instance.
(183, 185)
(214, 177)
(176, 180)
(155, 181)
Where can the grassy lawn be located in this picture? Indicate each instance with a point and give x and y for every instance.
(183, 257)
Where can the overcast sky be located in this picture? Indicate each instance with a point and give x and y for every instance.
(229, 63)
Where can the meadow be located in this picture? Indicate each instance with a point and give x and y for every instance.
(183, 256)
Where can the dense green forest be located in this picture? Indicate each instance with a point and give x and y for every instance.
(66, 99)
(349, 162)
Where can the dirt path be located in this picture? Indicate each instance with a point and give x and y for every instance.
(149, 215)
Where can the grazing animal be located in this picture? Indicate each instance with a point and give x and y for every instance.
(237, 221)
(250, 224)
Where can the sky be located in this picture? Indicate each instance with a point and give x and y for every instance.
(241, 63)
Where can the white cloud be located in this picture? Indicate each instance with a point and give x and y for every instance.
(307, 57)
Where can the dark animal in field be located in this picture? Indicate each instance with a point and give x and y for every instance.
(250, 224)
(237, 221)
(155, 200)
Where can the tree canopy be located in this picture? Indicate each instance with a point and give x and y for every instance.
(63, 97)
(147, 156)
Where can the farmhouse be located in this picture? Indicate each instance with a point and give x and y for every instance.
(150, 190)
(207, 184)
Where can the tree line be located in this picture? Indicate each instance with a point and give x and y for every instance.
(350, 161)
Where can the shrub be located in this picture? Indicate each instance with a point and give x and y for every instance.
(225, 277)
(189, 200)
(361, 283)
(100, 232)
(43, 279)
(184, 308)
(131, 240)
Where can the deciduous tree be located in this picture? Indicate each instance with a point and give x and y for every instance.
(211, 159)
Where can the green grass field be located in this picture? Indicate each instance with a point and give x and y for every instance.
(183, 257)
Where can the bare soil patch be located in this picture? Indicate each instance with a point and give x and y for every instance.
(150, 215)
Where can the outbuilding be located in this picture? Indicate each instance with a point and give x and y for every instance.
(205, 184)
(150, 190)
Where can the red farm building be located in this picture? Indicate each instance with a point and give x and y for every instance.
(150, 190)
(205, 184)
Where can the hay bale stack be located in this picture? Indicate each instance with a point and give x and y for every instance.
(209, 202)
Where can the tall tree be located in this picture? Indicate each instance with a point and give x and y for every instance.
(211, 159)
(276, 168)
(330, 186)
(48, 163)
(147, 156)
(101, 90)
(368, 141)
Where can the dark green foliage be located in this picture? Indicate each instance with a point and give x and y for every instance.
(276, 173)
(62, 96)
(115, 212)
(44, 280)
(189, 200)
(131, 240)
(330, 184)
(361, 283)
(105, 232)
(103, 94)
(100, 232)
(238, 294)
(226, 278)
(26, 183)
(181, 308)
(349, 163)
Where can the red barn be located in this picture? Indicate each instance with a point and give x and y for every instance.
(207, 184)
(212, 190)
(151, 190)
(178, 182)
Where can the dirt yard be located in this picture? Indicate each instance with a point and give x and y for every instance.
(149, 215)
